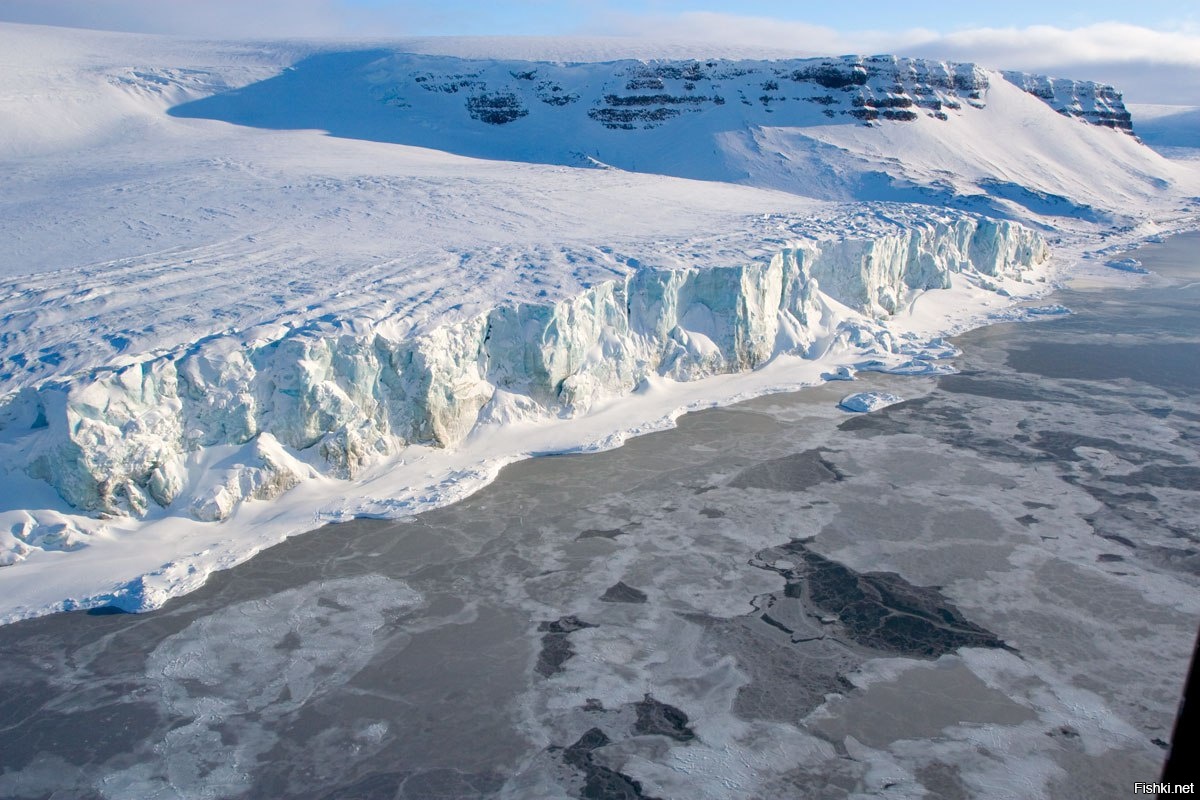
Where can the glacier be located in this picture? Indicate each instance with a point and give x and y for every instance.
(251, 288)
(254, 290)
(335, 396)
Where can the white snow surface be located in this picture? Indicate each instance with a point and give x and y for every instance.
(216, 335)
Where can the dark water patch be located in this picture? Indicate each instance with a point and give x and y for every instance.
(451, 784)
(1006, 449)
(655, 718)
(1136, 519)
(597, 533)
(599, 782)
(788, 680)
(564, 625)
(603, 783)
(580, 753)
(1181, 559)
(1063, 732)
(332, 605)
(1171, 366)
(376, 785)
(98, 733)
(942, 781)
(838, 779)
(621, 592)
(556, 648)
(712, 513)
(774, 623)
(1116, 501)
(881, 610)
(1062, 445)
(1166, 476)
(1118, 538)
(1002, 388)
(794, 473)
(877, 424)
(439, 784)
(18, 709)
(913, 416)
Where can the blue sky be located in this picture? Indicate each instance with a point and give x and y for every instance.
(567, 16)
(1149, 48)
(557, 17)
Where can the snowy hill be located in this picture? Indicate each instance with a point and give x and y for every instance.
(786, 124)
(208, 302)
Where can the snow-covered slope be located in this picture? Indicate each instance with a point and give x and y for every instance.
(787, 124)
(198, 316)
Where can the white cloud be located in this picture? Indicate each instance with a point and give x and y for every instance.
(1152, 66)
(738, 30)
(1033, 46)
(1045, 46)
(216, 18)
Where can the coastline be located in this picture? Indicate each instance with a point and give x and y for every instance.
(1034, 499)
(137, 565)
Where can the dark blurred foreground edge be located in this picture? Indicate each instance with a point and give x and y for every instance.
(1183, 762)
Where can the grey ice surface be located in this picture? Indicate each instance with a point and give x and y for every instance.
(990, 590)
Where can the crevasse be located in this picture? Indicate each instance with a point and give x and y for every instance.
(118, 440)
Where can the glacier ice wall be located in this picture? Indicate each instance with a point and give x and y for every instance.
(342, 394)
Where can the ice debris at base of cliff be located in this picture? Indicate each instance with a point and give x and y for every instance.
(863, 402)
(1128, 265)
(334, 397)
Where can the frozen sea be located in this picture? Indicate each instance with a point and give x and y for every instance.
(990, 589)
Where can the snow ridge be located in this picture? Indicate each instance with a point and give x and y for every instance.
(335, 396)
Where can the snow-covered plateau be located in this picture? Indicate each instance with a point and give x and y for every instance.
(249, 287)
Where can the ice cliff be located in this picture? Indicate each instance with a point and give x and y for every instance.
(333, 396)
